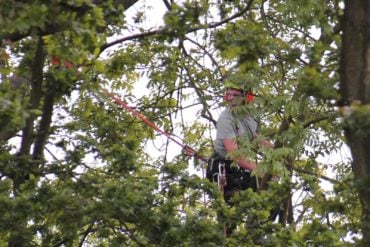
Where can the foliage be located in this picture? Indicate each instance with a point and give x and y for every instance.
(77, 169)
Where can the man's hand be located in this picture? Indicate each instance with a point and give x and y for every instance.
(263, 142)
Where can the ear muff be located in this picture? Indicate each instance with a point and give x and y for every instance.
(249, 97)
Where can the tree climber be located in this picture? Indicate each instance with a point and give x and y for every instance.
(232, 126)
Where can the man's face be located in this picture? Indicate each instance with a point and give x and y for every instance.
(234, 97)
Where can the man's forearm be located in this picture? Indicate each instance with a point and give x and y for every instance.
(248, 165)
(231, 146)
(266, 143)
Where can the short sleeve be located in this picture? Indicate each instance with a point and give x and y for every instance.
(226, 127)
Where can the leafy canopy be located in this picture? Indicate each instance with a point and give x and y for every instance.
(76, 169)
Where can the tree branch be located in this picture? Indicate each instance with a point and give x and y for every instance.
(319, 119)
(35, 97)
(168, 5)
(27, 131)
(316, 175)
(214, 62)
(44, 128)
(205, 111)
(166, 30)
(86, 233)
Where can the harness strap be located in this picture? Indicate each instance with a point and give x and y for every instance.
(222, 183)
(222, 176)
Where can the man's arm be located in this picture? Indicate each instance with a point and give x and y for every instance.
(230, 146)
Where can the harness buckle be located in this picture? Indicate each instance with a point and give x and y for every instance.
(221, 174)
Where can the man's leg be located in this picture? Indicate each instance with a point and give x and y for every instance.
(228, 194)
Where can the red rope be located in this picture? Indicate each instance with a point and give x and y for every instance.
(186, 149)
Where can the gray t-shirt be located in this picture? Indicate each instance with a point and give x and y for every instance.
(230, 126)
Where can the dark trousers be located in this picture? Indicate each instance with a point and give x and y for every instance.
(237, 179)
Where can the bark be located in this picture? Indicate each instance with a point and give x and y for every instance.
(35, 97)
(355, 87)
(286, 211)
(44, 128)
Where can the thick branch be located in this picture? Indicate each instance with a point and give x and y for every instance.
(35, 97)
(168, 5)
(319, 119)
(284, 126)
(45, 122)
(315, 175)
(27, 133)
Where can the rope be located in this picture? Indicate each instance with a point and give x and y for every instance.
(186, 149)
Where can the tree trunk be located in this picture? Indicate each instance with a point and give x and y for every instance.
(28, 130)
(355, 89)
(17, 230)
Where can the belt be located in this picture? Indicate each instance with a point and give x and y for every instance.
(218, 159)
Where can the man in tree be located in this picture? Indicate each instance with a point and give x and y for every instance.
(233, 128)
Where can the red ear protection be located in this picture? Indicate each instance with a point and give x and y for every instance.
(249, 97)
